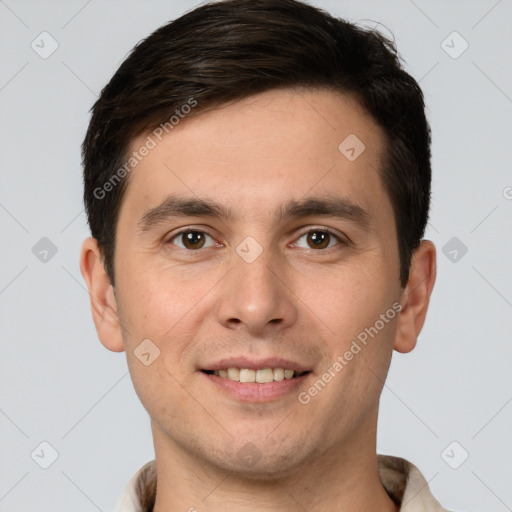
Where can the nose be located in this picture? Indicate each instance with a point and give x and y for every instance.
(257, 297)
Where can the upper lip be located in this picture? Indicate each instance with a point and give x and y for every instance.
(256, 364)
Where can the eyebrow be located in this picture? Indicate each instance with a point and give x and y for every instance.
(175, 207)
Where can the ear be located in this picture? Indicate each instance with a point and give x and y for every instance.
(102, 297)
(416, 297)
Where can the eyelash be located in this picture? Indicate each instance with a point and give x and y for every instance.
(341, 240)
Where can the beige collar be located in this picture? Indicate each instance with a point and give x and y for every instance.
(402, 480)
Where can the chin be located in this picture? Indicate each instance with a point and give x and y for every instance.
(262, 459)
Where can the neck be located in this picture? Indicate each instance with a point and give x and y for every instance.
(340, 480)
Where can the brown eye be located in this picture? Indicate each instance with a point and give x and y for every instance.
(191, 240)
(318, 239)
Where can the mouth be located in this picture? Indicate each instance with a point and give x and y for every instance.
(246, 380)
(256, 376)
(262, 381)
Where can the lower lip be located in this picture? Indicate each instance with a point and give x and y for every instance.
(256, 392)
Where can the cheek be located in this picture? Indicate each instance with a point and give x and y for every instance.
(157, 389)
(154, 303)
(361, 321)
(168, 309)
(346, 300)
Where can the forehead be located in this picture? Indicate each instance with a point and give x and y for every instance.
(274, 146)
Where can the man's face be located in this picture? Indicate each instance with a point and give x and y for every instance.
(286, 281)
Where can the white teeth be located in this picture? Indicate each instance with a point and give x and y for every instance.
(265, 375)
(247, 375)
(278, 374)
(233, 374)
(261, 376)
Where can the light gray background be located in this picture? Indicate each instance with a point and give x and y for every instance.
(58, 383)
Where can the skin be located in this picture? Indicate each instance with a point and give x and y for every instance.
(294, 301)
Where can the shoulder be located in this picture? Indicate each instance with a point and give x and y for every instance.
(140, 490)
(406, 485)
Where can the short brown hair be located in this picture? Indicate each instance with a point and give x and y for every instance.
(225, 51)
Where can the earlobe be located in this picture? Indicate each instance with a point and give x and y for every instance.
(102, 297)
(416, 297)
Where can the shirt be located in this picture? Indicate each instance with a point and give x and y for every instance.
(402, 480)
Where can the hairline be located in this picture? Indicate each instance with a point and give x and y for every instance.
(143, 129)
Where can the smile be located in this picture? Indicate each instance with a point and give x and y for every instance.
(259, 376)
